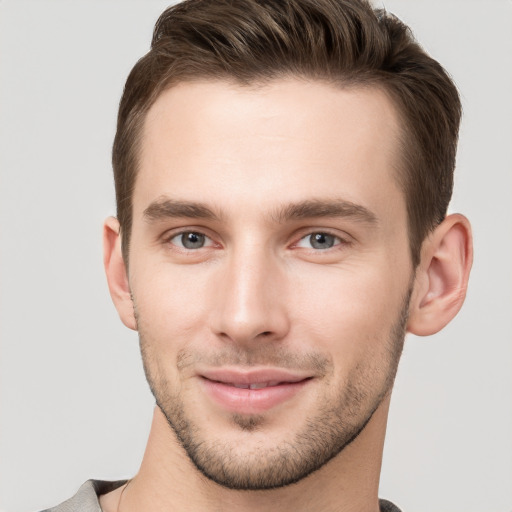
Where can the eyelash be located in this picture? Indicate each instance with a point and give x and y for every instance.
(181, 234)
(337, 240)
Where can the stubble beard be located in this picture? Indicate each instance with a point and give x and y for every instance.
(337, 423)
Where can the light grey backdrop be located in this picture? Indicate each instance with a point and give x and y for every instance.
(74, 402)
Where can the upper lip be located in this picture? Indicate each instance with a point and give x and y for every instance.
(246, 378)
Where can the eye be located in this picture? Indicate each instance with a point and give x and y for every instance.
(319, 241)
(190, 240)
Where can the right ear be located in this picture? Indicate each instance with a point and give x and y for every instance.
(117, 276)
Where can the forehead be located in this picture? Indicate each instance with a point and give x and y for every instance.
(216, 141)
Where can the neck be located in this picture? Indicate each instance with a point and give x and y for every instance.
(168, 480)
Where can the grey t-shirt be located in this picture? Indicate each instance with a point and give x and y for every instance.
(86, 499)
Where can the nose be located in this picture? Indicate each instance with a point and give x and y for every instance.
(250, 298)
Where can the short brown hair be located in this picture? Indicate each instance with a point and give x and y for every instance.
(343, 42)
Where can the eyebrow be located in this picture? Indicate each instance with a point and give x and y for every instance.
(317, 208)
(165, 208)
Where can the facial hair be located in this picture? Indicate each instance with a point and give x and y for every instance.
(337, 422)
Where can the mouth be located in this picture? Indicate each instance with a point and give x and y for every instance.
(254, 385)
(252, 392)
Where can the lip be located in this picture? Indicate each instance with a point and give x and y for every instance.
(254, 391)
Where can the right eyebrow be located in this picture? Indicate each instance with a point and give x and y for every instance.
(166, 208)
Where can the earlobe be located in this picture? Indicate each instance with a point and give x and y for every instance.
(115, 270)
(442, 276)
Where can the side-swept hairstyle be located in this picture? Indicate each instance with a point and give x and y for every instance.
(346, 43)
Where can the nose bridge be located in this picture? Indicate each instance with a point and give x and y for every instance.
(248, 298)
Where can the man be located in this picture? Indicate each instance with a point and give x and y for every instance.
(283, 171)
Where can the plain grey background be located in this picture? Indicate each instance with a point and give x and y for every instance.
(74, 403)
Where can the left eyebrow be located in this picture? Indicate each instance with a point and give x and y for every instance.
(311, 209)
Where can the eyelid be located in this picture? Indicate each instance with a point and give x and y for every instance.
(336, 239)
(169, 235)
(208, 242)
(342, 238)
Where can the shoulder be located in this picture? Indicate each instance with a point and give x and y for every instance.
(86, 498)
(387, 506)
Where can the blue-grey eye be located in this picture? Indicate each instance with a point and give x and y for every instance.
(322, 240)
(189, 240)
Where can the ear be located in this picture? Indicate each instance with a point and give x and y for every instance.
(441, 277)
(115, 269)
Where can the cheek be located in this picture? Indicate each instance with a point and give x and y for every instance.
(170, 305)
(348, 312)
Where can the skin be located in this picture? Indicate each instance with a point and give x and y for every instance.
(233, 164)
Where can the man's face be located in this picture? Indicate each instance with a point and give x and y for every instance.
(270, 271)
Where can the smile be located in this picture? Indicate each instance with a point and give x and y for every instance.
(252, 392)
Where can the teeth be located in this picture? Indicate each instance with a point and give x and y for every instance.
(259, 385)
(256, 385)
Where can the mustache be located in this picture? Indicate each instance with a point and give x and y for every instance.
(264, 355)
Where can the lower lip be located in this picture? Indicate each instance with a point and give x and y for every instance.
(251, 401)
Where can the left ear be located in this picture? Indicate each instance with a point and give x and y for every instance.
(442, 276)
